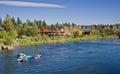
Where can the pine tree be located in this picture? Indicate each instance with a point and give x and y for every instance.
(0, 22)
(8, 24)
(35, 29)
(28, 23)
(19, 21)
(44, 24)
(13, 20)
(39, 24)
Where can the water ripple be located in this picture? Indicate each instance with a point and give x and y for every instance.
(88, 57)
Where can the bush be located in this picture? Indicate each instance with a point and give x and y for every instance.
(13, 34)
(76, 34)
(3, 34)
(8, 41)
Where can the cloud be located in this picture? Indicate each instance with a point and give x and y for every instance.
(30, 4)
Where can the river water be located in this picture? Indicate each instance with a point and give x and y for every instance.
(87, 57)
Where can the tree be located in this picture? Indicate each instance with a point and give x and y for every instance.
(0, 22)
(32, 31)
(13, 20)
(52, 26)
(19, 21)
(8, 24)
(9, 40)
(57, 25)
(39, 24)
(73, 25)
(13, 34)
(3, 34)
(44, 24)
(76, 34)
(22, 31)
(35, 29)
(28, 23)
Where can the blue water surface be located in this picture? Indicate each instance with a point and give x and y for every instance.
(87, 57)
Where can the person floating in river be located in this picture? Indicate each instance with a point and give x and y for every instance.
(22, 57)
(38, 55)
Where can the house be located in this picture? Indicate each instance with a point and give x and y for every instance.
(48, 32)
(64, 32)
(87, 31)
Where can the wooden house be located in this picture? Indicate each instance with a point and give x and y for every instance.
(64, 32)
(48, 32)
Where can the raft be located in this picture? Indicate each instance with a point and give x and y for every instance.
(25, 59)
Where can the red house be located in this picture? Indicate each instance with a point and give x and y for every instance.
(45, 31)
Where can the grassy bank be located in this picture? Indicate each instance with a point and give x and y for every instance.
(59, 39)
(40, 40)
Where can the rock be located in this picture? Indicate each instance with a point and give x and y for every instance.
(5, 47)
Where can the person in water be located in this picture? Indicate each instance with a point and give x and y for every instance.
(21, 55)
(38, 55)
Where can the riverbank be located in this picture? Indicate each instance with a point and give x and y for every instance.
(48, 40)
(40, 40)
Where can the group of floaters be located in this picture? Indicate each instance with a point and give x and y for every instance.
(21, 57)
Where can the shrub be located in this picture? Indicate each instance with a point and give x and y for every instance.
(9, 40)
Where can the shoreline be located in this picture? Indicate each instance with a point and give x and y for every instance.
(26, 42)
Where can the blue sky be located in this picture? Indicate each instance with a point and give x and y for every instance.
(81, 12)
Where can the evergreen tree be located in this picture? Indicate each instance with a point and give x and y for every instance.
(39, 24)
(35, 29)
(28, 23)
(52, 26)
(73, 25)
(13, 20)
(8, 24)
(19, 21)
(0, 22)
(57, 25)
(44, 24)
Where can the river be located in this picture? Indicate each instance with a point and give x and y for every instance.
(87, 57)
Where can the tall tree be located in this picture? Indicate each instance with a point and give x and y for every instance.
(73, 25)
(32, 31)
(19, 21)
(52, 26)
(28, 23)
(13, 20)
(8, 24)
(40, 24)
(57, 25)
(44, 24)
(0, 22)
(35, 29)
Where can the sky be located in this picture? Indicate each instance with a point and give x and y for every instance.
(81, 12)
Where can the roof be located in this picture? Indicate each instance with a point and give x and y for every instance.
(47, 30)
(87, 30)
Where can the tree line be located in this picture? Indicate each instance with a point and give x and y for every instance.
(13, 28)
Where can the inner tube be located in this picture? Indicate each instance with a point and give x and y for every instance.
(22, 60)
